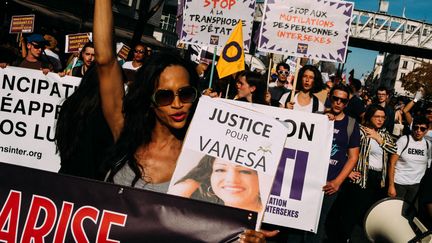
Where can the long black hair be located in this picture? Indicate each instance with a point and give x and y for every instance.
(140, 118)
(257, 80)
(202, 174)
(80, 146)
(70, 121)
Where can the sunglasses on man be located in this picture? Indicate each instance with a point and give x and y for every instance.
(337, 99)
(417, 127)
(140, 51)
(283, 72)
(164, 97)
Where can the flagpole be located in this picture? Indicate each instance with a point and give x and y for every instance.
(227, 91)
(212, 67)
(295, 79)
(269, 70)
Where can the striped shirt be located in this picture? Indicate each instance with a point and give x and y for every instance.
(388, 146)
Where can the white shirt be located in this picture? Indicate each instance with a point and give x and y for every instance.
(413, 162)
(375, 156)
(50, 53)
(128, 65)
(297, 107)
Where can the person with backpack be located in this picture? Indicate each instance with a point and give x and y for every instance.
(343, 157)
(409, 164)
(309, 82)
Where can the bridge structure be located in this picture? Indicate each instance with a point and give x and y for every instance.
(385, 33)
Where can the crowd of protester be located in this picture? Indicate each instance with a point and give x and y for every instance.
(133, 136)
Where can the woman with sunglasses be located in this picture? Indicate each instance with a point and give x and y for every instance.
(251, 87)
(369, 175)
(149, 123)
(139, 54)
(309, 82)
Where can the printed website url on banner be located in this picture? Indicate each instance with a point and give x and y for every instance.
(12, 150)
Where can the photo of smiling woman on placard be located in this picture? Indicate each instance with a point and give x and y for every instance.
(222, 182)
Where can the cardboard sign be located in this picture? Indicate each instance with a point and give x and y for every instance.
(296, 197)
(22, 24)
(74, 42)
(123, 52)
(313, 29)
(234, 162)
(30, 103)
(211, 22)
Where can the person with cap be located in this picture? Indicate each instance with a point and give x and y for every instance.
(35, 46)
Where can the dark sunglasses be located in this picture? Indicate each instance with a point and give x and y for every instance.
(163, 97)
(37, 46)
(337, 99)
(428, 111)
(284, 72)
(140, 51)
(415, 128)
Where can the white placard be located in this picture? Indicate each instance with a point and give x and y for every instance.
(297, 195)
(30, 103)
(315, 29)
(230, 156)
(211, 22)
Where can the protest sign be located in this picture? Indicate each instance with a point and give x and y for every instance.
(41, 206)
(234, 162)
(211, 22)
(313, 29)
(30, 104)
(296, 195)
(123, 51)
(22, 24)
(74, 42)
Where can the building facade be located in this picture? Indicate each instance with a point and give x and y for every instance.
(395, 67)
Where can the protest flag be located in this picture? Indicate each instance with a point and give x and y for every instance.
(232, 57)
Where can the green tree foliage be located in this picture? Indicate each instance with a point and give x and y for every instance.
(419, 77)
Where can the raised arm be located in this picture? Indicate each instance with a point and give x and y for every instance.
(406, 111)
(110, 77)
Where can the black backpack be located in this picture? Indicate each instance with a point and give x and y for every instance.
(406, 145)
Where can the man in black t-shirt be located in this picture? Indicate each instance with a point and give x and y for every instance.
(35, 46)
